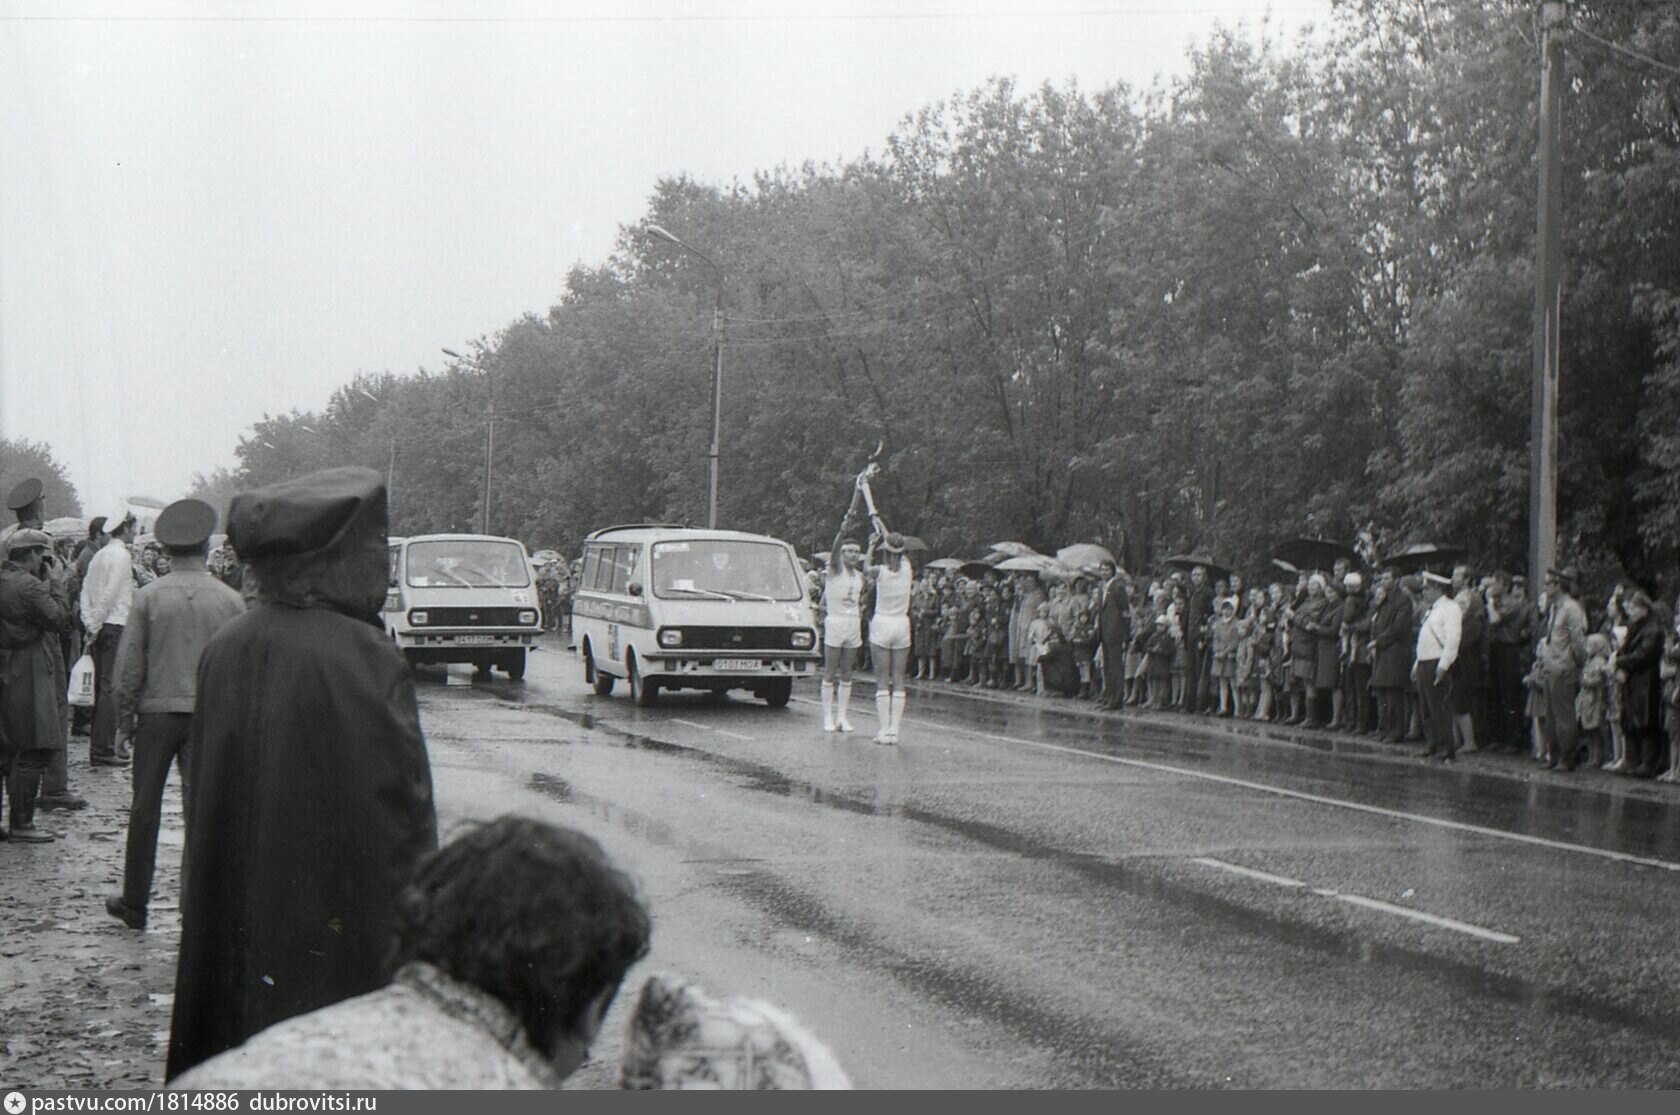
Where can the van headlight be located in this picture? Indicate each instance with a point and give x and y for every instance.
(670, 637)
(527, 617)
(803, 640)
(418, 619)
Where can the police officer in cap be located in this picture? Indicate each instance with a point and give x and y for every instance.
(34, 610)
(27, 500)
(170, 621)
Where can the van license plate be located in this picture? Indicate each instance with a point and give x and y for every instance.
(474, 640)
(737, 664)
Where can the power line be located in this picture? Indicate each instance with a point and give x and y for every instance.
(1631, 53)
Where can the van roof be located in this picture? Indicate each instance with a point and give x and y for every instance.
(643, 532)
(458, 538)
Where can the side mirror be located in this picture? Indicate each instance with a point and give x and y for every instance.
(635, 588)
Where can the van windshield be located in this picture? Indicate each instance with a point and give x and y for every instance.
(729, 568)
(467, 563)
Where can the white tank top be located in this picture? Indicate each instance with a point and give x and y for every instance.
(892, 590)
(842, 593)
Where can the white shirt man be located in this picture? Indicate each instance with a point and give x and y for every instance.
(107, 592)
(1437, 647)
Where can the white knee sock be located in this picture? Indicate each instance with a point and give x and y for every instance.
(883, 711)
(897, 713)
(845, 702)
(826, 690)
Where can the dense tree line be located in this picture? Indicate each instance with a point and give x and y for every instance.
(1291, 293)
(21, 459)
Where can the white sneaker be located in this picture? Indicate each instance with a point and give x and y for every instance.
(846, 725)
(828, 722)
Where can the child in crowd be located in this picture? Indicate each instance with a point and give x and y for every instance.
(997, 649)
(1038, 645)
(956, 640)
(976, 647)
(1223, 669)
(1162, 648)
(1590, 700)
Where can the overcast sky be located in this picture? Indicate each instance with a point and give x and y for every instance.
(212, 211)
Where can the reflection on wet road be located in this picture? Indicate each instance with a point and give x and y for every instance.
(1020, 897)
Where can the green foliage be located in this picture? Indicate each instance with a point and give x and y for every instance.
(21, 459)
(1291, 294)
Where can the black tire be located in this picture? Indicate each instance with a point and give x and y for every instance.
(412, 659)
(777, 692)
(643, 692)
(514, 664)
(602, 683)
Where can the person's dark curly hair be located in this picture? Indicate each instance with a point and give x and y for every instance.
(532, 913)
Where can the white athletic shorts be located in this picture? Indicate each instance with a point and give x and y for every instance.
(843, 631)
(890, 632)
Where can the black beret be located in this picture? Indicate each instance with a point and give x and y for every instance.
(306, 514)
(184, 523)
(26, 493)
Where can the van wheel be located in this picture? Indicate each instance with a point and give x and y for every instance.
(514, 664)
(411, 658)
(602, 683)
(643, 692)
(777, 692)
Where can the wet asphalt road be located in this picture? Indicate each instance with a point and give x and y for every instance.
(1020, 897)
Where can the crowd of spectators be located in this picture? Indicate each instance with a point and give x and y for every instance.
(1343, 650)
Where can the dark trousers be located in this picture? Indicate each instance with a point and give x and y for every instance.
(1436, 697)
(1356, 700)
(103, 744)
(159, 740)
(1505, 720)
(1193, 678)
(1114, 672)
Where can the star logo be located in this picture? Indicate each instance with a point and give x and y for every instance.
(15, 1103)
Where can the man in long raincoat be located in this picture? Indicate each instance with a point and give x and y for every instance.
(310, 792)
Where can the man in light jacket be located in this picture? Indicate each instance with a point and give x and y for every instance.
(1563, 654)
(106, 595)
(169, 623)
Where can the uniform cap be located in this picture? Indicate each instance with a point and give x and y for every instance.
(114, 523)
(25, 493)
(28, 539)
(306, 514)
(185, 523)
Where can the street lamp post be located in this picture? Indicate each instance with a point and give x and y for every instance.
(489, 430)
(717, 371)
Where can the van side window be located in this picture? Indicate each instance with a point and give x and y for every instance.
(603, 569)
(395, 561)
(624, 562)
(591, 562)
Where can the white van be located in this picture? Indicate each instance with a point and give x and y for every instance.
(668, 607)
(462, 598)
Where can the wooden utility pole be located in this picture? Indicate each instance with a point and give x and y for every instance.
(1548, 299)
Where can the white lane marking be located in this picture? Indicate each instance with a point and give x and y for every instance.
(711, 728)
(1317, 799)
(1368, 903)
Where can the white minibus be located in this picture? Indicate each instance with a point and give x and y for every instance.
(668, 607)
(462, 598)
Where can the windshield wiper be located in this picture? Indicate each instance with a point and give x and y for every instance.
(706, 592)
(737, 594)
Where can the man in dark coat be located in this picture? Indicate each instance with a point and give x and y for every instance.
(1391, 633)
(1636, 665)
(34, 611)
(1198, 613)
(1114, 627)
(310, 796)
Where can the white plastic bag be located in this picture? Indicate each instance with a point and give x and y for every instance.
(81, 683)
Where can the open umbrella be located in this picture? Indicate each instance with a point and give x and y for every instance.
(66, 527)
(1025, 563)
(1425, 555)
(1190, 561)
(1081, 554)
(1314, 553)
(913, 545)
(947, 564)
(1013, 549)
